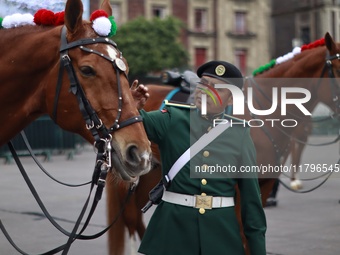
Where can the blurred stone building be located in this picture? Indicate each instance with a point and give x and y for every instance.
(237, 31)
(297, 22)
(247, 33)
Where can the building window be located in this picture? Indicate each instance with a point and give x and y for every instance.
(241, 60)
(201, 20)
(200, 56)
(317, 25)
(333, 23)
(158, 12)
(240, 23)
(116, 12)
(305, 35)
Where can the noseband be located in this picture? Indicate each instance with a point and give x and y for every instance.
(92, 120)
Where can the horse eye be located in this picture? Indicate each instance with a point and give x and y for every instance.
(87, 71)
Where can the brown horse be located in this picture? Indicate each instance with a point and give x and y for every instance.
(79, 78)
(272, 144)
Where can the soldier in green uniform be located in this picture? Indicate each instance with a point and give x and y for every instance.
(196, 215)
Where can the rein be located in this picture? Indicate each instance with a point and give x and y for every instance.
(99, 131)
(97, 178)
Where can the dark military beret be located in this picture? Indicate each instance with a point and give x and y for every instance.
(223, 71)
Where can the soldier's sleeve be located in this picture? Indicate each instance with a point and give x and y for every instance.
(253, 216)
(156, 123)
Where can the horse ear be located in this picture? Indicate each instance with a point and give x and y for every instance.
(330, 44)
(73, 15)
(106, 7)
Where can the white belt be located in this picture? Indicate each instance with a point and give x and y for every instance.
(197, 201)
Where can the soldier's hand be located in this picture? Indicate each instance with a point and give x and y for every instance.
(139, 93)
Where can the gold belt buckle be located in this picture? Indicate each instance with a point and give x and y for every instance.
(203, 202)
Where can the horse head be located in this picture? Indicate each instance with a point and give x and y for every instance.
(101, 73)
(331, 96)
(72, 71)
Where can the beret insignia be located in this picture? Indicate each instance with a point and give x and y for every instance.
(220, 70)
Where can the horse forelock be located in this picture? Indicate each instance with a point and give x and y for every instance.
(83, 31)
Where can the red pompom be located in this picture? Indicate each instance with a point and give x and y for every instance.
(37, 16)
(59, 18)
(321, 41)
(97, 14)
(314, 44)
(47, 18)
(44, 17)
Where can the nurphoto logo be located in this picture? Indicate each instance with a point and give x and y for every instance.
(239, 103)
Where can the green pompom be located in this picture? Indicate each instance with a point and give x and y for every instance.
(113, 26)
(1, 19)
(265, 67)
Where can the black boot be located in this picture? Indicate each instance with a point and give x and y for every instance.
(271, 200)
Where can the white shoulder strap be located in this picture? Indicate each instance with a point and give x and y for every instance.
(195, 148)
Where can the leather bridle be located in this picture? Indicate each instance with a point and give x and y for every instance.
(100, 133)
(335, 88)
(93, 123)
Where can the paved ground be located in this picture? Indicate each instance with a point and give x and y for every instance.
(301, 224)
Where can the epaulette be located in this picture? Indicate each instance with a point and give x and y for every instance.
(234, 119)
(179, 104)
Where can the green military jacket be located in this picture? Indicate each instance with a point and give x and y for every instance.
(181, 230)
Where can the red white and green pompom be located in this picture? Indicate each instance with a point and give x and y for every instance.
(290, 55)
(102, 24)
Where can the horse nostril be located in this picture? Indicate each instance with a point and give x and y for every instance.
(132, 156)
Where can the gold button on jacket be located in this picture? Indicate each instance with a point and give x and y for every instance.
(206, 154)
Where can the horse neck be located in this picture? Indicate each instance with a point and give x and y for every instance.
(308, 64)
(28, 60)
(304, 66)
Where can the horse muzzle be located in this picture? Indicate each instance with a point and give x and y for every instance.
(131, 162)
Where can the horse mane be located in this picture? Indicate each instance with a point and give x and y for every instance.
(23, 30)
(288, 64)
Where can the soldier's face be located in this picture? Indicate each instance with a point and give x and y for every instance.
(217, 99)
